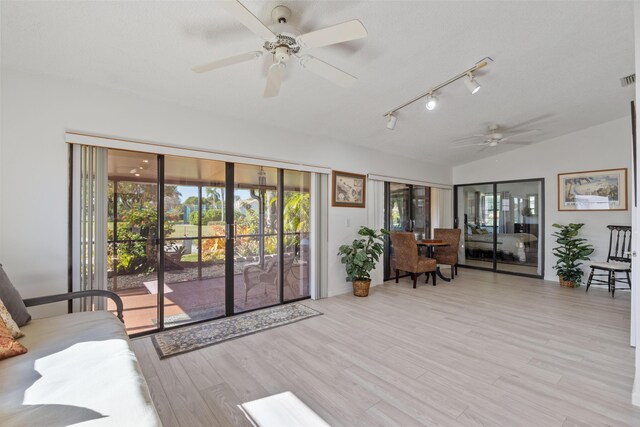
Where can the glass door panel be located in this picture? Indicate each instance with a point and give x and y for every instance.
(476, 214)
(297, 213)
(131, 236)
(421, 210)
(256, 267)
(518, 227)
(194, 279)
(399, 217)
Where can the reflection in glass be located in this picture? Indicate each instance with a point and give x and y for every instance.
(518, 227)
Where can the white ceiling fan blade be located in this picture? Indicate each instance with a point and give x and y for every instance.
(478, 144)
(346, 31)
(467, 138)
(326, 71)
(226, 61)
(247, 19)
(512, 133)
(274, 80)
(518, 143)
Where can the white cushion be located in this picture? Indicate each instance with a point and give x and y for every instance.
(281, 410)
(79, 369)
(613, 265)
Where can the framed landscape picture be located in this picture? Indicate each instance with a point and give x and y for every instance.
(349, 190)
(603, 190)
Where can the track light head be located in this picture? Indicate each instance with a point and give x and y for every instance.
(391, 121)
(472, 84)
(432, 102)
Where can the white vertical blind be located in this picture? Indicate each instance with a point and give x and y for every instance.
(441, 208)
(319, 271)
(89, 223)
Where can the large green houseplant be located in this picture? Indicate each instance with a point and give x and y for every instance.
(571, 250)
(361, 257)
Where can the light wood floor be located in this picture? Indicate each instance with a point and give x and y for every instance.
(485, 349)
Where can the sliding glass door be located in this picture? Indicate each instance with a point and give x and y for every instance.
(407, 208)
(191, 239)
(502, 226)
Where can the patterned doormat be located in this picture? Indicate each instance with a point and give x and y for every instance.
(189, 338)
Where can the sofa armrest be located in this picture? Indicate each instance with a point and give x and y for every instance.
(30, 302)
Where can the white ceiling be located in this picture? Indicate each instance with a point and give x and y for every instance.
(556, 61)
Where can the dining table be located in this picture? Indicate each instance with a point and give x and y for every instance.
(430, 244)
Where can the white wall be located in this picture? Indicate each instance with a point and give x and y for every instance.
(36, 111)
(605, 146)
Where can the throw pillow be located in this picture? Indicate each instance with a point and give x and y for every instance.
(8, 320)
(12, 300)
(9, 347)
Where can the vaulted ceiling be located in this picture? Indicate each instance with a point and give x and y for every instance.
(557, 64)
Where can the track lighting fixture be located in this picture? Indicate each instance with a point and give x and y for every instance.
(432, 100)
(391, 121)
(472, 84)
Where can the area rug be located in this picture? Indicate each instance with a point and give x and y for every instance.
(189, 338)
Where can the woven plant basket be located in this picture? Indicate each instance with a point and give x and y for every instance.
(566, 283)
(361, 287)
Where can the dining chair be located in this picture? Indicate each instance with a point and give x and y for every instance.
(447, 255)
(618, 259)
(405, 249)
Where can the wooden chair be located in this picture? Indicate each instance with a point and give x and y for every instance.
(447, 255)
(618, 259)
(405, 249)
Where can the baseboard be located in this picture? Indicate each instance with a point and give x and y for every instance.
(336, 292)
(347, 289)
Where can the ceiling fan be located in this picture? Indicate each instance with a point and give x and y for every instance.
(495, 136)
(282, 41)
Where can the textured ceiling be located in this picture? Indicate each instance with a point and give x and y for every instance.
(558, 62)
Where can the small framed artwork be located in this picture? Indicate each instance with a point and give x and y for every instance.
(603, 190)
(349, 190)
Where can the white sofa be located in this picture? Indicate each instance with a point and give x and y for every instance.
(79, 369)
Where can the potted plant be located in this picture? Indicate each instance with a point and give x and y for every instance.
(570, 252)
(360, 258)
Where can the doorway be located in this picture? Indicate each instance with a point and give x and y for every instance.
(191, 240)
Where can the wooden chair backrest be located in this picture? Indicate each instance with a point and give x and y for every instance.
(619, 243)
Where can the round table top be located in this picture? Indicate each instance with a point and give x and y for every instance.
(432, 243)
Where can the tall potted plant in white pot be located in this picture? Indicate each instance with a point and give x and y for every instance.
(361, 257)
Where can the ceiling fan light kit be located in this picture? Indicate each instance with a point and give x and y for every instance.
(391, 121)
(432, 100)
(282, 40)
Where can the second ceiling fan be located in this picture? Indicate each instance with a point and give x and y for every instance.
(283, 41)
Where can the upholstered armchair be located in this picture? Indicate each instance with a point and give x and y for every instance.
(405, 249)
(447, 255)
